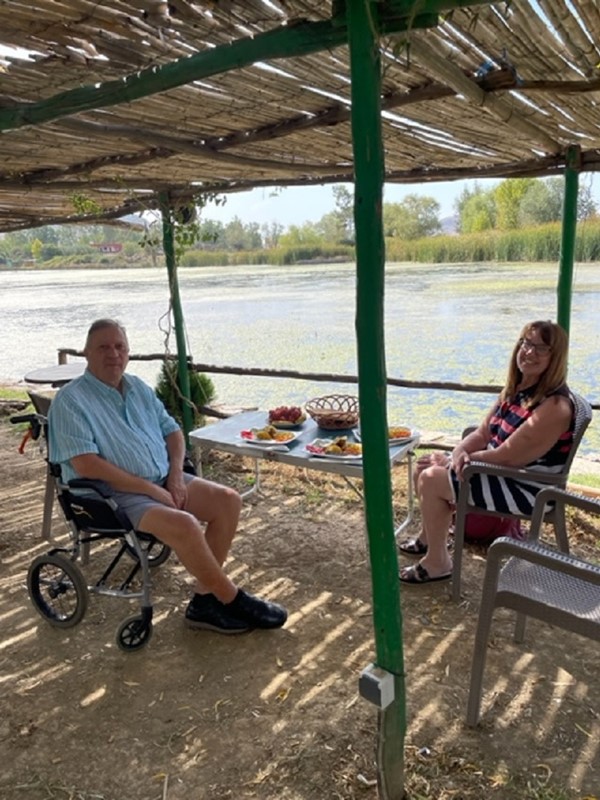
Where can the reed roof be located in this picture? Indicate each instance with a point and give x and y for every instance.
(493, 90)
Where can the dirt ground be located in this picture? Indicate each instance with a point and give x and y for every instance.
(276, 715)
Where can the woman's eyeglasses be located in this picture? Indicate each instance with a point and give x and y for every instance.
(539, 349)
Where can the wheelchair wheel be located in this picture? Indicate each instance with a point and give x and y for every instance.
(134, 633)
(58, 590)
(157, 552)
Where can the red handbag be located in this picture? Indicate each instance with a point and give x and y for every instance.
(484, 528)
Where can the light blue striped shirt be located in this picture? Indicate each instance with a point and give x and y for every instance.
(129, 430)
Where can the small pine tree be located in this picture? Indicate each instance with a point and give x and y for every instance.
(202, 391)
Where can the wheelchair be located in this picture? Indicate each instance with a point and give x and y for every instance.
(56, 584)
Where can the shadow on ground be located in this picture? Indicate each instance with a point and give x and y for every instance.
(275, 715)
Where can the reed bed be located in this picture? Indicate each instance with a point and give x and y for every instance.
(541, 243)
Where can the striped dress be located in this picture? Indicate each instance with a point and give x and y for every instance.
(507, 494)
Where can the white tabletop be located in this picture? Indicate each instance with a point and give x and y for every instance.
(225, 435)
(56, 375)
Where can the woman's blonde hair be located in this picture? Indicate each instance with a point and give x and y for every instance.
(555, 374)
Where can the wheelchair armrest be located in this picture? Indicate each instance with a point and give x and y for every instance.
(100, 487)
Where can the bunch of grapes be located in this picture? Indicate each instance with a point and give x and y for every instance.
(286, 414)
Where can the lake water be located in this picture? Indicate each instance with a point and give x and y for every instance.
(443, 323)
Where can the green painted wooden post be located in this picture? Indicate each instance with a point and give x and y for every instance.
(370, 258)
(567, 243)
(182, 365)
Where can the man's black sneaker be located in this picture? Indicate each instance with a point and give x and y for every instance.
(255, 612)
(205, 612)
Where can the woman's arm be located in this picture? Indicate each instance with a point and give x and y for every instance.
(534, 437)
(472, 443)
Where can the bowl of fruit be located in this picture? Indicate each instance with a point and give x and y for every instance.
(286, 417)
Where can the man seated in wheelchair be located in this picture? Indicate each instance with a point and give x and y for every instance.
(110, 426)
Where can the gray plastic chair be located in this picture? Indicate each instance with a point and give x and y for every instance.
(539, 582)
(555, 515)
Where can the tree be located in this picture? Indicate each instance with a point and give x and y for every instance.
(344, 213)
(586, 205)
(508, 196)
(253, 237)
(542, 202)
(212, 234)
(237, 236)
(298, 236)
(332, 228)
(271, 232)
(413, 218)
(476, 210)
(36, 249)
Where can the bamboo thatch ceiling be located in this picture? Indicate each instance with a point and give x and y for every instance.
(493, 90)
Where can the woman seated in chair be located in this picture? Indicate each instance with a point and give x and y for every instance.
(530, 425)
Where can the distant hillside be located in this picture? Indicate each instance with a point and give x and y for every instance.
(449, 224)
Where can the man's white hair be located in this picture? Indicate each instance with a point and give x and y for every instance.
(100, 324)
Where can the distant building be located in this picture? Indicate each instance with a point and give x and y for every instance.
(107, 247)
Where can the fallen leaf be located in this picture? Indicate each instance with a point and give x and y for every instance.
(282, 695)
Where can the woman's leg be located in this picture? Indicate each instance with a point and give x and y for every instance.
(423, 464)
(436, 499)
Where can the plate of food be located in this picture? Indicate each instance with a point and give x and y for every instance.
(397, 434)
(286, 417)
(338, 449)
(268, 435)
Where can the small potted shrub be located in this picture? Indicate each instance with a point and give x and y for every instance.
(202, 391)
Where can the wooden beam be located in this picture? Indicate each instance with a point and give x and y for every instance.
(287, 41)
(543, 167)
(453, 76)
(500, 80)
(193, 147)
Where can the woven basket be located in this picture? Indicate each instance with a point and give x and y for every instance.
(334, 412)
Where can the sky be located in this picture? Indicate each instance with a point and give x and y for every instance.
(299, 204)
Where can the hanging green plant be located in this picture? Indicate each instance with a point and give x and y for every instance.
(84, 205)
(202, 392)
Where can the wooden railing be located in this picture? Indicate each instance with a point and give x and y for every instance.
(327, 377)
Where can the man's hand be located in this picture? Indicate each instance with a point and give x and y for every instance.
(177, 489)
(161, 495)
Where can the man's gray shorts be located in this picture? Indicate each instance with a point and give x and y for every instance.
(136, 505)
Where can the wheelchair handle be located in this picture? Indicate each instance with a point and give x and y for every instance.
(36, 425)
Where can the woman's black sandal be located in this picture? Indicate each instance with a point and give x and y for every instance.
(413, 547)
(418, 574)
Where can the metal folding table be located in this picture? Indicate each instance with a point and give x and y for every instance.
(225, 436)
